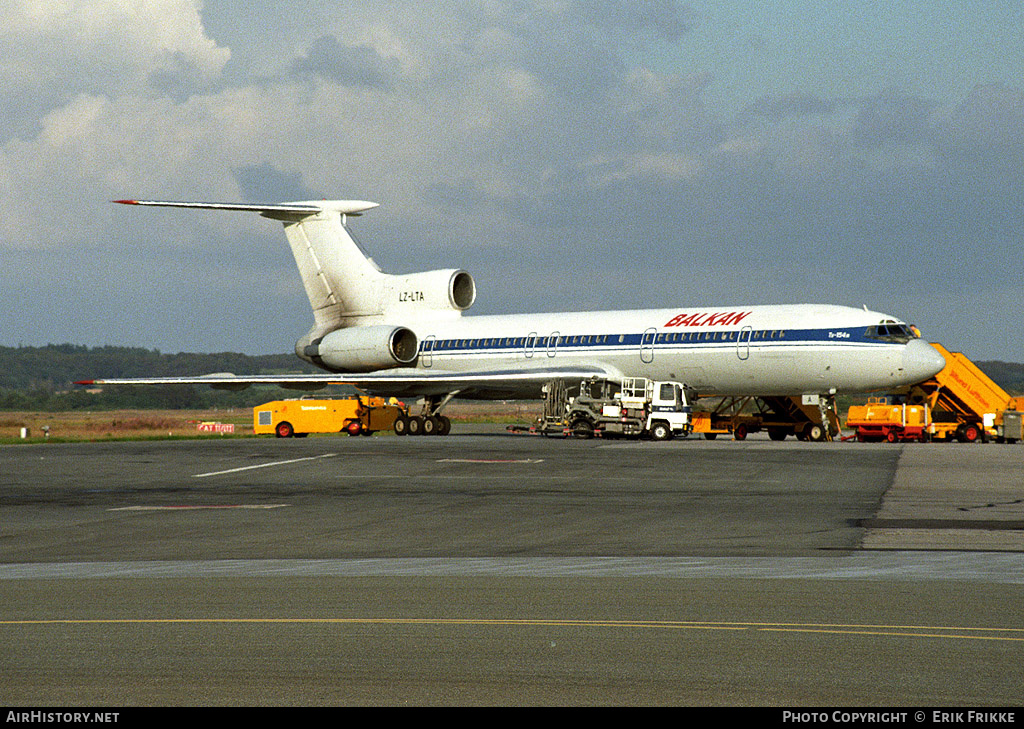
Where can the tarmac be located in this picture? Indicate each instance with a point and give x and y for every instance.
(486, 568)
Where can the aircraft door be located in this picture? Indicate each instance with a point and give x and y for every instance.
(743, 343)
(552, 344)
(647, 345)
(427, 350)
(530, 345)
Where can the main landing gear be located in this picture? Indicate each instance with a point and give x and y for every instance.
(423, 425)
(429, 422)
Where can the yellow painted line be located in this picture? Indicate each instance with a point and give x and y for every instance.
(187, 507)
(913, 634)
(906, 631)
(490, 460)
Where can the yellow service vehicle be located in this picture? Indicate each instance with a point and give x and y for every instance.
(809, 418)
(354, 414)
(886, 418)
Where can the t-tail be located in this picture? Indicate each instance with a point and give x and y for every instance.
(362, 316)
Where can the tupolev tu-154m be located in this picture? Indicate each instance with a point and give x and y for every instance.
(405, 335)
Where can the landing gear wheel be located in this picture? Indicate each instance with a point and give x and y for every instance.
(401, 425)
(284, 429)
(445, 426)
(430, 425)
(416, 425)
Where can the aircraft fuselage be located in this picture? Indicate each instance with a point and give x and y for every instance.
(752, 350)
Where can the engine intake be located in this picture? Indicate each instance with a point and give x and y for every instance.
(363, 349)
(462, 290)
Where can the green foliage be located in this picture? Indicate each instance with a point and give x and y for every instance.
(1008, 375)
(42, 378)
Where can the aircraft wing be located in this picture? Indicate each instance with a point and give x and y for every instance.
(490, 384)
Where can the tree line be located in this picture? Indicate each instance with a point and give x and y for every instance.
(42, 378)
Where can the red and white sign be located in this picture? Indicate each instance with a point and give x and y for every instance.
(216, 427)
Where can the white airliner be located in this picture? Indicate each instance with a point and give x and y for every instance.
(405, 335)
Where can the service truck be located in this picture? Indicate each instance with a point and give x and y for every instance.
(808, 417)
(892, 419)
(633, 407)
(353, 414)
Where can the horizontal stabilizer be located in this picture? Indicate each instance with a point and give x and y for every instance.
(273, 210)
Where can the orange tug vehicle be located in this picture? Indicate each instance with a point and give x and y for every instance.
(354, 414)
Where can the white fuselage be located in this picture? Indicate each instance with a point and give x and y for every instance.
(752, 350)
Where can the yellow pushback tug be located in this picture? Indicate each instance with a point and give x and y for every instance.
(353, 414)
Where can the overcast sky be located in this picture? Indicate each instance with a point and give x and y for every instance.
(594, 155)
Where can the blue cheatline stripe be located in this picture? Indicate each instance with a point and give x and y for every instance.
(662, 340)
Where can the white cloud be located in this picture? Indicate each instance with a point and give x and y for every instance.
(103, 45)
(482, 128)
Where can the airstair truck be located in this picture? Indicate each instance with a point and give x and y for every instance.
(966, 404)
(961, 402)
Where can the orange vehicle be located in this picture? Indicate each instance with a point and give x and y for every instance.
(354, 414)
(884, 419)
(807, 418)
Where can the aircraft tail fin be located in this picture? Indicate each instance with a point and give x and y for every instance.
(341, 281)
(344, 286)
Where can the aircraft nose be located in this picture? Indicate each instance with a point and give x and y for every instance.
(921, 360)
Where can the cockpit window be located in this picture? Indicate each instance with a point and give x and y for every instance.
(891, 332)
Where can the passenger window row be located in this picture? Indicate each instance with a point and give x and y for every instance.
(538, 342)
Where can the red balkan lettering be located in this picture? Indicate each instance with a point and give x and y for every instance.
(704, 319)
